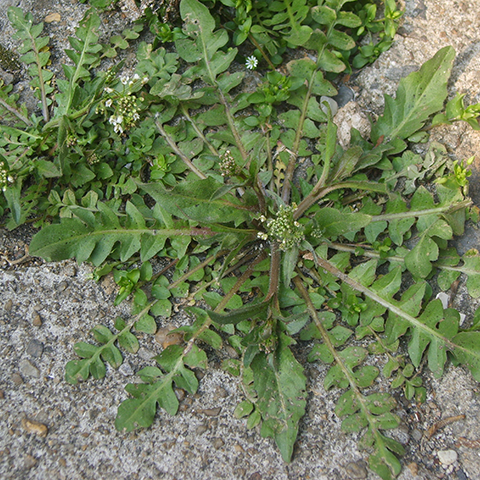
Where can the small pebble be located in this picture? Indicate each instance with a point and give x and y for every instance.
(126, 369)
(356, 470)
(221, 393)
(2, 394)
(231, 352)
(413, 467)
(416, 434)
(345, 94)
(17, 379)
(52, 17)
(145, 353)
(218, 443)
(37, 320)
(29, 370)
(29, 462)
(447, 457)
(35, 348)
(180, 394)
(461, 475)
(201, 429)
(32, 426)
(8, 305)
(211, 412)
(70, 270)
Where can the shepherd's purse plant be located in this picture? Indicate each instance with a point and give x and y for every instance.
(244, 207)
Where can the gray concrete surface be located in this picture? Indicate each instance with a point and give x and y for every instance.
(52, 430)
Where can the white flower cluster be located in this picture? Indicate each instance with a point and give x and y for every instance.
(228, 167)
(284, 229)
(5, 178)
(125, 104)
(131, 81)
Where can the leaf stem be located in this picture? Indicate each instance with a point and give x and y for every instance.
(327, 341)
(287, 182)
(221, 306)
(175, 148)
(198, 131)
(260, 49)
(420, 213)
(313, 197)
(326, 265)
(13, 110)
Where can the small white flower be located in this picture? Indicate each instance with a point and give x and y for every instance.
(117, 123)
(251, 62)
(124, 79)
(262, 235)
(109, 102)
(108, 89)
(263, 218)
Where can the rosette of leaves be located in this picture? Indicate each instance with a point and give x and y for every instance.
(69, 145)
(274, 260)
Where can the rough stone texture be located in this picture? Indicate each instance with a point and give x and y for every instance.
(80, 440)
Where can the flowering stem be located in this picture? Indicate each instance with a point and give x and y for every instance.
(260, 49)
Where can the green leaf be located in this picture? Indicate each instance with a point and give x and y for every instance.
(333, 222)
(472, 268)
(280, 385)
(128, 342)
(73, 239)
(146, 324)
(419, 95)
(467, 351)
(140, 411)
(419, 260)
(198, 22)
(445, 322)
(195, 200)
(243, 409)
(240, 314)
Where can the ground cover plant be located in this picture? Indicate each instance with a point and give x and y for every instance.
(269, 230)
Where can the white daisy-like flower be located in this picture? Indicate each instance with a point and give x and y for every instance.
(109, 103)
(251, 62)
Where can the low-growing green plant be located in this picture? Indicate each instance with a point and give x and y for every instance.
(272, 233)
